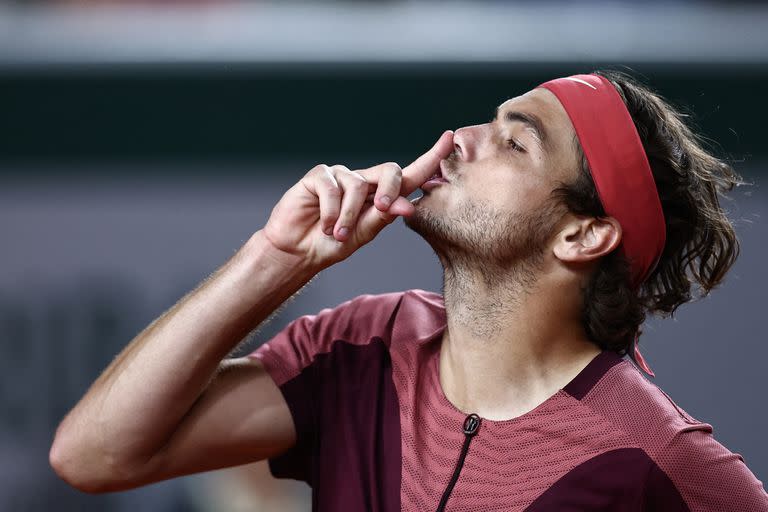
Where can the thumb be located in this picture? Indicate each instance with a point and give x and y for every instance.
(427, 164)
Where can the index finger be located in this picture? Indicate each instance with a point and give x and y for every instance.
(427, 164)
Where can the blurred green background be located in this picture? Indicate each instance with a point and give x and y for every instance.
(319, 112)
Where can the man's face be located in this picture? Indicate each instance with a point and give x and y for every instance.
(496, 206)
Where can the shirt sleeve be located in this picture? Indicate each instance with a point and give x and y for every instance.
(696, 473)
(299, 360)
(287, 359)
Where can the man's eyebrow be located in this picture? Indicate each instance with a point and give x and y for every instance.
(533, 122)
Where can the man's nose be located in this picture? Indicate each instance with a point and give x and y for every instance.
(467, 141)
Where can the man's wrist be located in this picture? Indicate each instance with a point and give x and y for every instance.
(259, 249)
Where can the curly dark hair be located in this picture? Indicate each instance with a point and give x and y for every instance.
(701, 244)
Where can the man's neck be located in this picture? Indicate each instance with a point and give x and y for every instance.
(510, 343)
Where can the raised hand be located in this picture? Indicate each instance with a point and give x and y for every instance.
(332, 211)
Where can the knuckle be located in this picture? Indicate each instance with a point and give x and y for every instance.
(394, 168)
(339, 167)
(324, 175)
(359, 184)
(318, 169)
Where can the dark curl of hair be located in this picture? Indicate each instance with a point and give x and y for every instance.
(701, 244)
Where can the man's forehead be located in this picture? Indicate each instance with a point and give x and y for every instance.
(540, 102)
(543, 104)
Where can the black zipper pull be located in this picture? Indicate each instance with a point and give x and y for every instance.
(471, 427)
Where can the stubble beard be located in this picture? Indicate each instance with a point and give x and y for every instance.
(478, 239)
(491, 260)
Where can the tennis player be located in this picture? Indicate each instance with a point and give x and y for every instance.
(582, 206)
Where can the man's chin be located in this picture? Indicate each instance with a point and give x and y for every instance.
(423, 221)
(415, 221)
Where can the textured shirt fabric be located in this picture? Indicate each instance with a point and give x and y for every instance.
(376, 433)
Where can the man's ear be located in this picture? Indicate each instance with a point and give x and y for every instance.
(584, 239)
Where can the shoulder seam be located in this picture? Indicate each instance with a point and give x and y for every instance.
(602, 377)
(584, 402)
(630, 434)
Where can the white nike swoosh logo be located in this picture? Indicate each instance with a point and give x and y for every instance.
(579, 80)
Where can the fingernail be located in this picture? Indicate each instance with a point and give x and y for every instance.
(386, 200)
(343, 231)
(328, 231)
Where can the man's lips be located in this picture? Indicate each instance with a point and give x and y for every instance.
(439, 177)
(440, 173)
(436, 179)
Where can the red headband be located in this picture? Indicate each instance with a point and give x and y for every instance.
(619, 168)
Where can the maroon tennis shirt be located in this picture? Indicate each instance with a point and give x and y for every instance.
(376, 433)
